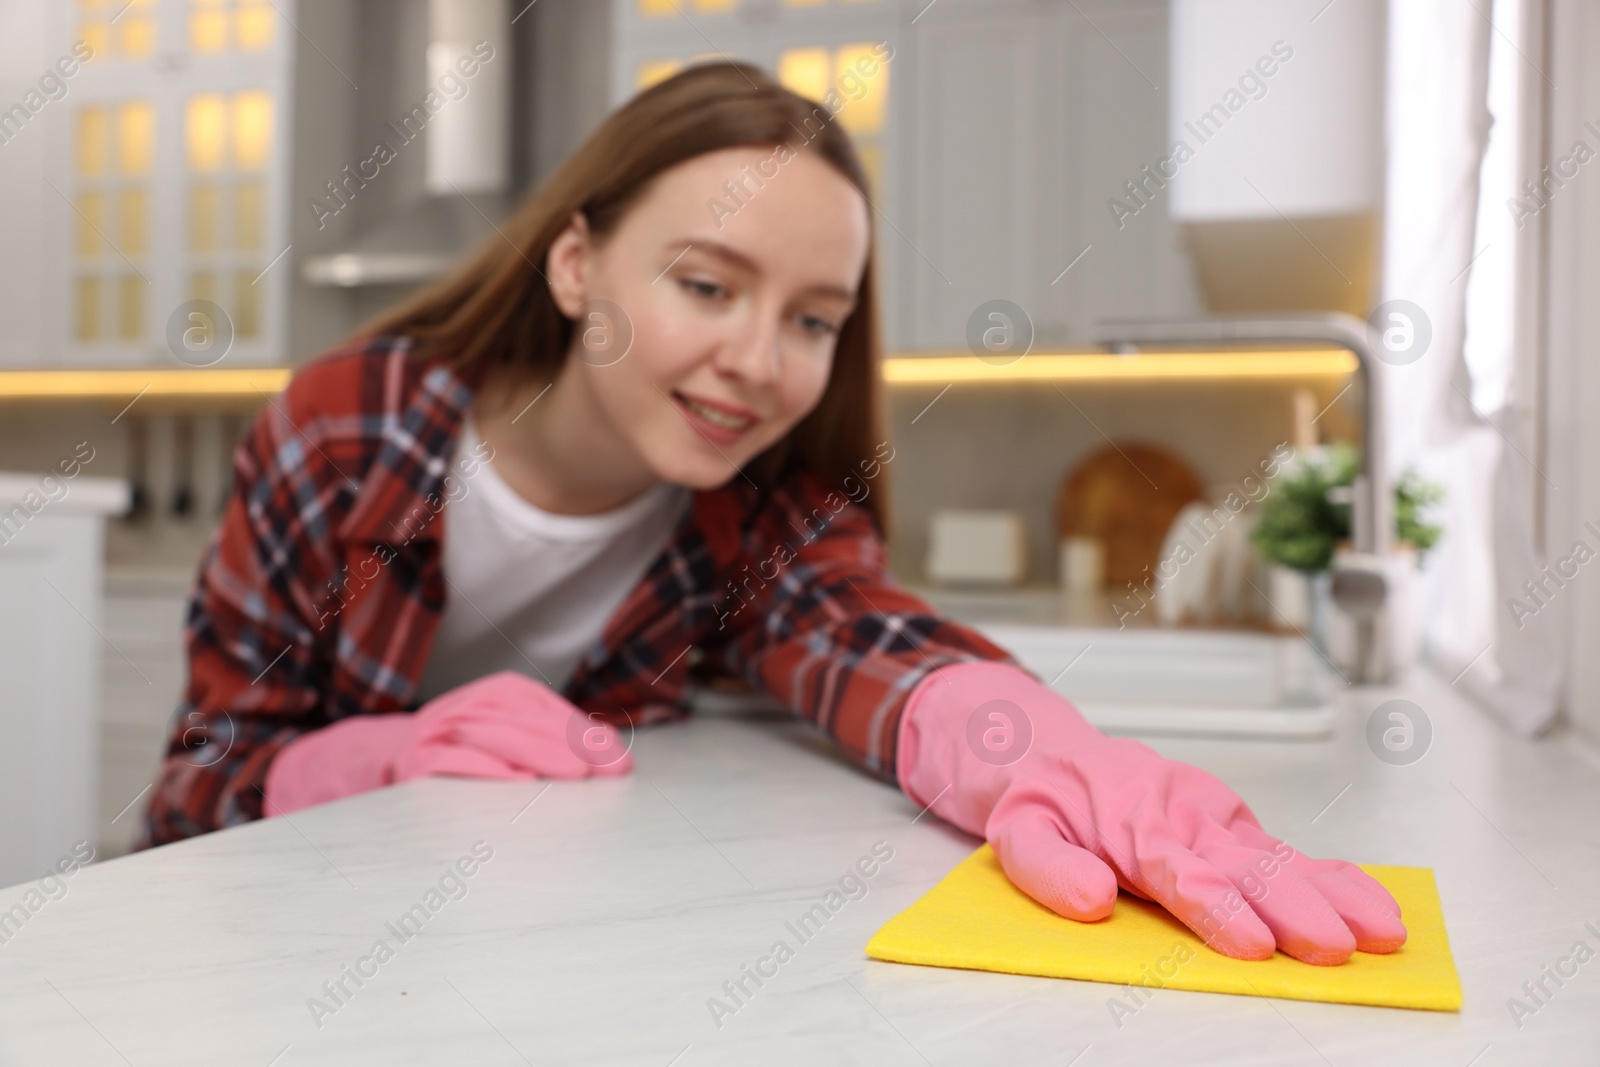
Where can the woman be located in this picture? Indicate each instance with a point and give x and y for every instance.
(646, 413)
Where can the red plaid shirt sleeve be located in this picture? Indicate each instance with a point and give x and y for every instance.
(815, 617)
(256, 676)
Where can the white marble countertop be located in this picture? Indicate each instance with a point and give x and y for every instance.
(611, 911)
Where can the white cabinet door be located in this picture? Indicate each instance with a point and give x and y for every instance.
(1026, 120)
(989, 110)
(50, 655)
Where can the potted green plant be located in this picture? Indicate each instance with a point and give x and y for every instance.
(1306, 519)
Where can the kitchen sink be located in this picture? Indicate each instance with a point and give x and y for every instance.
(1150, 681)
(1145, 679)
(1138, 680)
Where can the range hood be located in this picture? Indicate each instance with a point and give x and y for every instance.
(1275, 164)
(466, 142)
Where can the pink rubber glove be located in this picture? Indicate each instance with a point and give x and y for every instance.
(1073, 814)
(505, 725)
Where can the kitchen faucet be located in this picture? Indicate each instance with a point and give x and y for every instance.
(1359, 585)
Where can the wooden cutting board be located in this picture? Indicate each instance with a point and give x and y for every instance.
(1126, 496)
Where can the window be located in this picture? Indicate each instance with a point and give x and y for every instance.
(227, 138)
(656, 70)
(658, 9)
(118, 28)
(218, 26)
(192, 98)
(655, 9)
(811, 46)
(113, 148)
(861, 82)
(852, 71)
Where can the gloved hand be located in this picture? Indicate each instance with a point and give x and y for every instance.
(1073, 814)
(505, 725)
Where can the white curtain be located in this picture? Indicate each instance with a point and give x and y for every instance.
(1460, 414)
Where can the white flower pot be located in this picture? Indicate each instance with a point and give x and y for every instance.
(1290, 595)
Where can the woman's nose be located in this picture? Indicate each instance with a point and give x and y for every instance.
(754, 354)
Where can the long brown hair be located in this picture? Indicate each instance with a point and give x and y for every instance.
(496, 311)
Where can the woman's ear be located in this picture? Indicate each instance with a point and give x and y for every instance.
(566, 265)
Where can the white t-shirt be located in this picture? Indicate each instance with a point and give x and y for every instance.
(525, 584)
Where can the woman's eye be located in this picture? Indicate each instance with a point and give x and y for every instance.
(816, 326)
(709, 290)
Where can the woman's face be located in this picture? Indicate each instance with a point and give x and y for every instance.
(729, 309)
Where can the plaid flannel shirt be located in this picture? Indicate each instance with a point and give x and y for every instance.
(319, 594)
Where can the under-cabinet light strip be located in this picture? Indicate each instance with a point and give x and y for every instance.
(1140, 366)
(111, 384)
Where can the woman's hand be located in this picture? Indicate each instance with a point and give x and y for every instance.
(1073, 815)
(505, 725)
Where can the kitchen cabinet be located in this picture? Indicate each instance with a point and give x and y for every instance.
(174, 163)
(1009, 126)
(52, 642)
(1024, 120)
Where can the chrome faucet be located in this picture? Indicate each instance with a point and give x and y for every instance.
(1359, 585)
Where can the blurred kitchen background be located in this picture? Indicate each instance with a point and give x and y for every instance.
(1236, 346)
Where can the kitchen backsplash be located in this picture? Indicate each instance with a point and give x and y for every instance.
(1009, 446)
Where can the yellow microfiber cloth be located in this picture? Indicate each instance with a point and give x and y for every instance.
(976, 919)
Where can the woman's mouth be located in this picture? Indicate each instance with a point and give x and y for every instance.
(722, 424)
